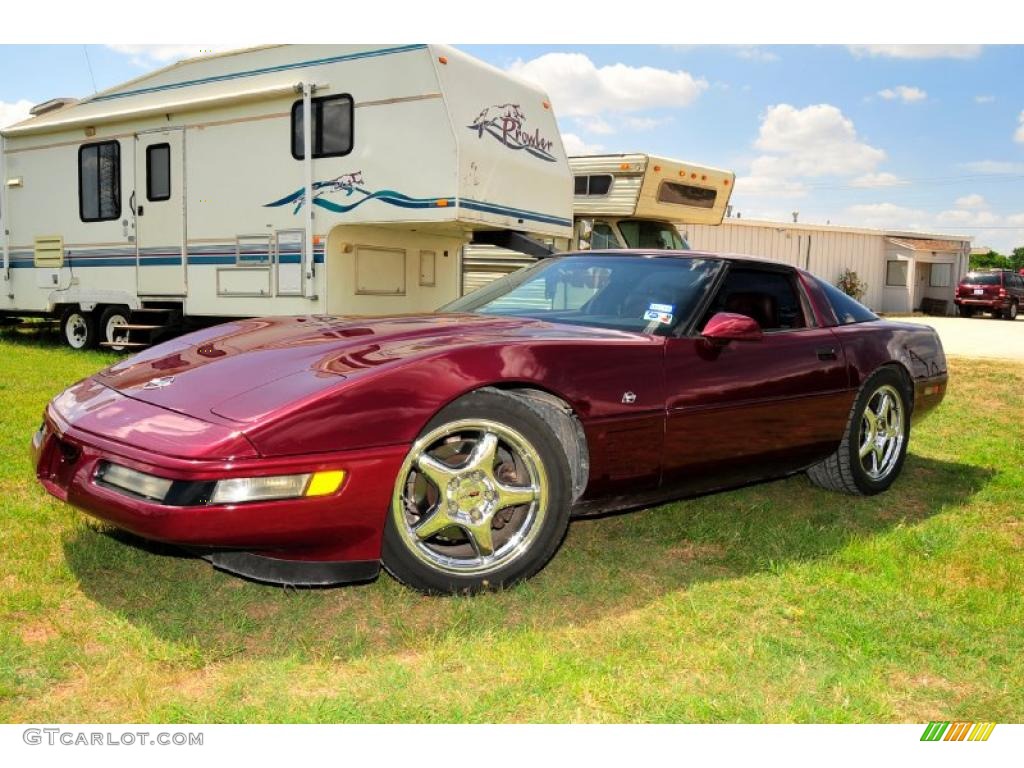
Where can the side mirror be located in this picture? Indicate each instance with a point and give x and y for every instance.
(724, 327)
(584, 233)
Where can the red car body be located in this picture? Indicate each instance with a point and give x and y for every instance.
(271, 396)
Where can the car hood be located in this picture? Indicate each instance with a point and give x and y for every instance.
(246, 369)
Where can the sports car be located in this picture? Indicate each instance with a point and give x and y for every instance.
(453, 448)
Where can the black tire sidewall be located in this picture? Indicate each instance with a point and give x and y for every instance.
(513, 412)
(864, 483)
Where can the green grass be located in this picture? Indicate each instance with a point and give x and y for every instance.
(777, 602)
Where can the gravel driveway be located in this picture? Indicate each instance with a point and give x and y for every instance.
(977, 336)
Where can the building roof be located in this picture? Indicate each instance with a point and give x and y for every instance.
(922, 244)
(807, 227)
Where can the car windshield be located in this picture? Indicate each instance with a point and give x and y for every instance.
(641, 233)
(630, 293)
(981, 278)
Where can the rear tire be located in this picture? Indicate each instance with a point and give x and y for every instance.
(1010, 313)
(78, 328)
(965, 311)
(482, 500)
(112, 318)
(874, 446)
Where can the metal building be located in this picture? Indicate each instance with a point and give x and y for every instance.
(901, 269)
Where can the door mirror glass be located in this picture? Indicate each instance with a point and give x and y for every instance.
(724, 327)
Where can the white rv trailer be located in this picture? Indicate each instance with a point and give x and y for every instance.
(275, 180)
(623, 201)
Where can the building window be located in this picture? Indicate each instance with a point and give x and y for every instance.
(99, 181)
(941, 275)
(592, 186)
(158, 173)
(896, 273)
(332, 126)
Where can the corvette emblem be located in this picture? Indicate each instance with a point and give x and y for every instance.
(159, 383)
(628, 398)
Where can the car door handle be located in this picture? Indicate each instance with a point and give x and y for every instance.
(826, 353)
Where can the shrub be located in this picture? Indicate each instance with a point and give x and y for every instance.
(849, 282)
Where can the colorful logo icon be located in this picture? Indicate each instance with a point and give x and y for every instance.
(957, 731)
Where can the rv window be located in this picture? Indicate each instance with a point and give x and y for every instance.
(685, 194)
(99, 181)
(158, 172)
(592, 186)
(332, 126)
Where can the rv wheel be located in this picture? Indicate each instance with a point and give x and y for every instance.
(79, 328)
(110, 327)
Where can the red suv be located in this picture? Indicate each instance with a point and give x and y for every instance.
(998, 291)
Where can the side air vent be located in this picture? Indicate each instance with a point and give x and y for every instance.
(49, 251)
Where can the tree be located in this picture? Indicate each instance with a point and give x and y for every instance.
(1017, 260)
(990, 260)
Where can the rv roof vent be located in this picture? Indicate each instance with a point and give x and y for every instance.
(50, 106)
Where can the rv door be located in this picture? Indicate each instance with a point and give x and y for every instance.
(158, 204)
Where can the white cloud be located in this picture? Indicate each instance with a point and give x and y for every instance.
(596, 125)
(644, 123)
(579, 87)
(874, 180)
(971, 201)
(984, 99)
(755, 53)
(905, 93)
(760, 185)
(1015, 220)
(12, 112)
(917, 51)
(149, 56)
(814, 141)
(887, 216)
(964, 218)
(574, 145)
(1019, 135)
(994, 167)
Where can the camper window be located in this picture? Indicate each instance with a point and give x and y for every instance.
(332, 126)
(158, 173)
(592, 186)
(686, 194)
(99, 181)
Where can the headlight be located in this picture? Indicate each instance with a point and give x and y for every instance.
(237, 490)
(138, 483)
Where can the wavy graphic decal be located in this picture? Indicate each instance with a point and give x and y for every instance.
(505, 123)
(351, 184)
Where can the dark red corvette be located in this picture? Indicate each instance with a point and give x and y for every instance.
(454, 447)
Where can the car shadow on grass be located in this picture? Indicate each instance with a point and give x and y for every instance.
(606, 567)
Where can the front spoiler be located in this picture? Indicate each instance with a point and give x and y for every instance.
(293, 573)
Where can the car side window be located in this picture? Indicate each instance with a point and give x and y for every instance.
(768, 296)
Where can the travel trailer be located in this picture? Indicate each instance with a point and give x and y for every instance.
(623, 201)
(281, 180)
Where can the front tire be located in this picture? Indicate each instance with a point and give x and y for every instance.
(874, 446)
(482, 500)
(78, 328)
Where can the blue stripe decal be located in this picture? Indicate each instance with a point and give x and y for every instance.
(262, 71)
(518, 213)
(219, 255)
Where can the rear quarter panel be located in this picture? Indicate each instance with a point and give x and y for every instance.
(917, 348)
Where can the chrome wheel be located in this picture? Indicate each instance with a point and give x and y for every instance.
(76, 330)
(881, 433)
(470, 497)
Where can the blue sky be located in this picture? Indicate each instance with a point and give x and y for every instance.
(925, 137)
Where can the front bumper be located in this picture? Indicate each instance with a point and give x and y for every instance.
(344, 529)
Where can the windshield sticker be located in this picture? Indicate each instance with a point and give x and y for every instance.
(658, 317)
(661, 308)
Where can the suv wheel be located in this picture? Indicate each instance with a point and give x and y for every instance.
(1010, 313)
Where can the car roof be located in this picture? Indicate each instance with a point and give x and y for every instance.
(665, 254)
